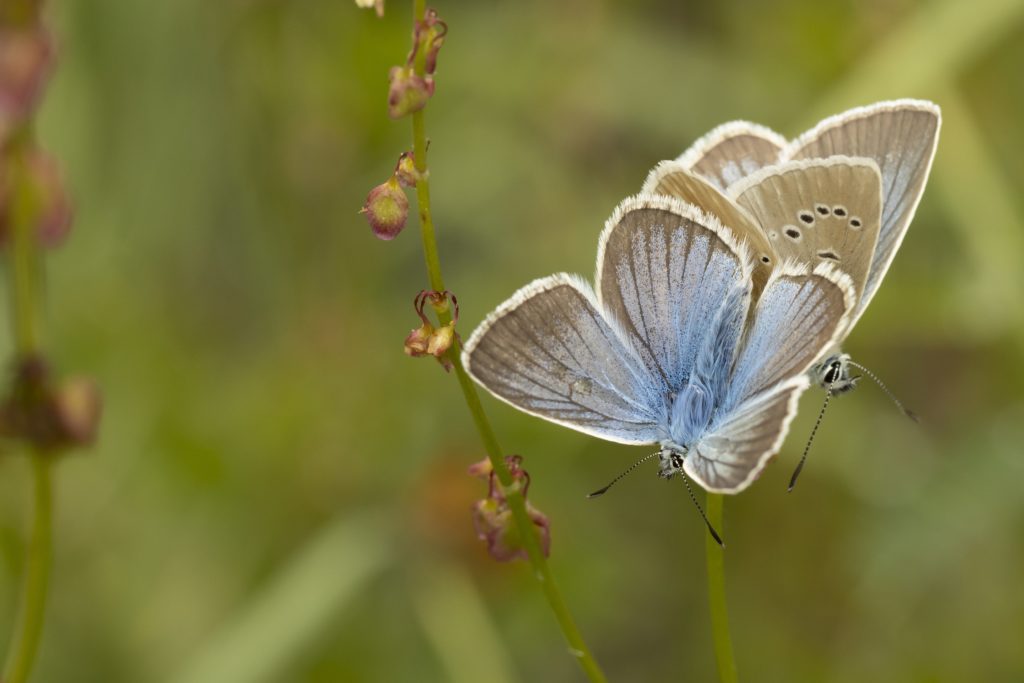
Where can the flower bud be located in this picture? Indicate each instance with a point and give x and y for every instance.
(441, 340)
(387, 209)
(77, 407)
(418, 341)
(408, 92)
(495, 525)
(406, 171)
(26, 55)
(51, 207)
(481, 469)
(430, 35)
(377, 5)
(493, 519)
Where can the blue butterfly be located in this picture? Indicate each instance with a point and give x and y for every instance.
(678, 344)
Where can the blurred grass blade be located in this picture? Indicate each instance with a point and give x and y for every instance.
(287, 616)
(981, 203)
(455, 621)
(931, 46)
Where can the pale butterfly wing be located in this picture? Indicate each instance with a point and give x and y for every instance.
(798, 316)
(664, 269)
(550, 352)
(673, 179)
(732, 151)
(731, 458)
(818, 211)
(901, 136)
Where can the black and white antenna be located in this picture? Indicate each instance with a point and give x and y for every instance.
(629, 469)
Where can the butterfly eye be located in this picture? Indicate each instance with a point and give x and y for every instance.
(855, 223)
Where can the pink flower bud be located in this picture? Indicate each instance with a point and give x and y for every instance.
(26, 55)
(51, 207)
(387, 209)
(408, 92)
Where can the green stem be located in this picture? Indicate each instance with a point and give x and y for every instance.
(23, 272)
(716, 594)
(25, 642)
(577, 647)
(22, 258)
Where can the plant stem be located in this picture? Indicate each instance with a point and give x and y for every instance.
(577, 647)
(25, 642)
(716, 594)
(22, 273)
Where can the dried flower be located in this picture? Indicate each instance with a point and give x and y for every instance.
(418, 341)
(428, 340)
(50, 418)
(429, 36)
(493, 519)
(387, 209)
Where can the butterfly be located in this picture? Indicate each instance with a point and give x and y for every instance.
(844, 192)
(675, 344)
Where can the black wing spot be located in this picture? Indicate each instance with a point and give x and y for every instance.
(839, 210)
(765, 259)
(855, 222)
(822, 209)
(829, 255)
(806, 216)
(792, 233)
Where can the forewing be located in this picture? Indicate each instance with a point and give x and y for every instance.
(732, 151)
(731, 458)
(663, 270)
(901, 136)
(672, 178)
(798, 316)
(549, 352)
(818, 211)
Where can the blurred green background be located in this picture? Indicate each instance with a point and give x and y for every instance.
(279, 494)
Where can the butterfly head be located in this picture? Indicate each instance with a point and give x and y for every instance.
(833, 374)
(671, 459)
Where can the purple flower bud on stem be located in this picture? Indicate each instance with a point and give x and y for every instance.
(408, 92)
(387, 209)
